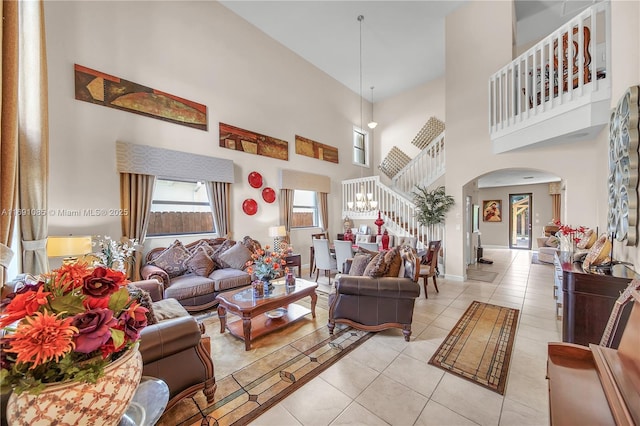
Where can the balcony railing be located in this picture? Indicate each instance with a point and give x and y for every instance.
(568, 69)
(423, 170)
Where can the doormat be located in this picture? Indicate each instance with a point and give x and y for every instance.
(480, 275)
(479, 347)
(251, 382)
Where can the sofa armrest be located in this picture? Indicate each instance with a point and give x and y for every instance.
(386, 287)
(153, 287)
(149, 272)
(168, 337)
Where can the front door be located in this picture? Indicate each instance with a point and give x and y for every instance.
(520, 221)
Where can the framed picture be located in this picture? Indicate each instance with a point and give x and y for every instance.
(492, 211)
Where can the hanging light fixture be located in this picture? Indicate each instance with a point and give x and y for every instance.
(364, 202)
(372, 124)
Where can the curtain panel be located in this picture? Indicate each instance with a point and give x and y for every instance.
(9, 124)
(219, 193)
(323, 207)
(286, 209)
(33, 135)
(136, 194)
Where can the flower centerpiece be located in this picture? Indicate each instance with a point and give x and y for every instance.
(67, 325)
(569, 236)
(115, 254)
(266, 264)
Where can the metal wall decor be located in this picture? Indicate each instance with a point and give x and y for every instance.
(429, 132)
(395, 161)
(623, 169)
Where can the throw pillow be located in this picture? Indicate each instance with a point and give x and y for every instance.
(552, 241)
(236, 257)
(224, 246)
(205, 246)
(374, 267)
(144, 299)
(200, 263)
(172, 259)
(359, 263)
(393, 259)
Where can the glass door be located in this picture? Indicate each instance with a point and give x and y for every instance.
(520, 221)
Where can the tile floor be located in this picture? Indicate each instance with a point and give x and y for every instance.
(388, 381)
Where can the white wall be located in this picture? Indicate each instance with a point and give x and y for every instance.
(202, 52)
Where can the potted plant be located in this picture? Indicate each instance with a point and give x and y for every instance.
(431, 206)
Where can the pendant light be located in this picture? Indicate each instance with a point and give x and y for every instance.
(372, 124)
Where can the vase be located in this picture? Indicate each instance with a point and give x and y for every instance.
(79, 403)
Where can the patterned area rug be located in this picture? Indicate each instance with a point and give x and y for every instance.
(479, 347)
(480, 275)
(251, 382)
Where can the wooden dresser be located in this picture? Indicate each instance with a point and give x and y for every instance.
(597, 385)
(586, 300)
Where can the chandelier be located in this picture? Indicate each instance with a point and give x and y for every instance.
(364, 202)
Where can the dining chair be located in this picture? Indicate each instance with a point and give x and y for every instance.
(369, 246)
(344, 251)
(323, 258)
(312, 263)
(362, 238)
(429, 267)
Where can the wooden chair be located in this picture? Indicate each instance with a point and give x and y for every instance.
(429, 266)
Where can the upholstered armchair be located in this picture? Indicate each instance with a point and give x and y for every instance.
(175, 349)
(375, 304)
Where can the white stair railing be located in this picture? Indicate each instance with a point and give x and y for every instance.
(423, 170)
(550, 76)
(397, 210)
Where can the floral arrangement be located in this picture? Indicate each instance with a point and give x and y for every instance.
(267, 265)
(573, 234)
(115, 254)
(66, 325)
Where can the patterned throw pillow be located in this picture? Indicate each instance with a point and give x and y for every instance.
(373, 268)
(172, 259)
(200, 263)
(394, 260)
(236, 257)
(205, 246)
(226, 245)
(144, 299)
(359, 263)
(251, 244)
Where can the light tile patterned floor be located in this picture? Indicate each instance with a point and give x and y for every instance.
(389, 381)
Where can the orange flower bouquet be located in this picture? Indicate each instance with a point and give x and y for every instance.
(67, 325)
(267, 265)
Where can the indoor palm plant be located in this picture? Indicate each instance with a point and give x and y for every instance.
(67, 329)
(431, 205)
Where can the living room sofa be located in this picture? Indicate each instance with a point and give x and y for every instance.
(194, 274)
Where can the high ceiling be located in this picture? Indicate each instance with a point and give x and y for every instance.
(402, 41)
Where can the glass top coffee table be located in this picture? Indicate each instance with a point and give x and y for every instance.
(267, 313)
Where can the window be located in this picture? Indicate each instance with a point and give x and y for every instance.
(305, 209)
(360, 147)
(180, 207)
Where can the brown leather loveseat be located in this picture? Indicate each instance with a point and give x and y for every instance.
(377, 303)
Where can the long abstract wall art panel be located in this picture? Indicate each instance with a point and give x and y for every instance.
(315, 149)
(113, 92)
(254, 143)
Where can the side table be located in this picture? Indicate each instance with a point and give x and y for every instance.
(294, 260)
(148, 403)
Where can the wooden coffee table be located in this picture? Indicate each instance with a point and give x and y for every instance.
(254, 311)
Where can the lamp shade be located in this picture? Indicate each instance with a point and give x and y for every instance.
(277, 231)
(68, 246)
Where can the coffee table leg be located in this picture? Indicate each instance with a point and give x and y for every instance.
(246, 328)
(222, 315)
(314, 300)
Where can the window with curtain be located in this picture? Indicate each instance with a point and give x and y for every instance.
(360, 147)
(180, 207)
(305, 209)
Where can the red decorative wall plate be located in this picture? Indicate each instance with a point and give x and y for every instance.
(269, 195)
(255, 179)
(249, 206)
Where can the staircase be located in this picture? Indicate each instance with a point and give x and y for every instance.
(395, 204)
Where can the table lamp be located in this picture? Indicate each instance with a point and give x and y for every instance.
(277, 232)
(69, 247)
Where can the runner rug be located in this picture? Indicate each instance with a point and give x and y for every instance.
(479, 347)
(480, 275)
(251, 382)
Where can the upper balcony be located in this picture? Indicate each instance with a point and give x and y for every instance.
(551, 94)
